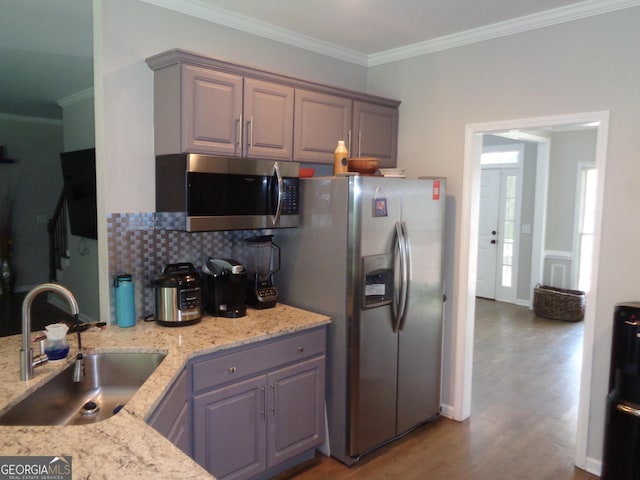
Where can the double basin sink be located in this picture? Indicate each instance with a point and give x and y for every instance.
(110, 380)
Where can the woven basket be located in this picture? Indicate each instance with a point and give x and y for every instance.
(559, 303)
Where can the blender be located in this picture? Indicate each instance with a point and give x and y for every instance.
(263, 260)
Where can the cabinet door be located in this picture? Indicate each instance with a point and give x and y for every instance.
(211, 111)
(171, 416)
(295, 410)
(375, 132)
(320, 121)
(268, 118)
(230, 429)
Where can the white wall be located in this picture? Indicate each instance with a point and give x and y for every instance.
(567, 150)
(81, 273)
(583, 66)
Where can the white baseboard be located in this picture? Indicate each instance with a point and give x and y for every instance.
(594, 466)
(447, 411)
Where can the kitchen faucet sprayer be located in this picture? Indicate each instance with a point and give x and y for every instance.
(27, 362)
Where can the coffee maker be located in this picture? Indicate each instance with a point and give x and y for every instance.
(263, 260)
(224, 287)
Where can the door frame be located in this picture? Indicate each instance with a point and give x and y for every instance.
(464, 313)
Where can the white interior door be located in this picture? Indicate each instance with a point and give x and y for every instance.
(488, 233)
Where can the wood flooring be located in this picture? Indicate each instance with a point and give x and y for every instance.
(526, 377)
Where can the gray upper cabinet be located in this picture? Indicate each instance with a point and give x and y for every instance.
(204, 105)
(320, 121)
(197, 110)
(375, 132)
(268, 118)
(221, 113)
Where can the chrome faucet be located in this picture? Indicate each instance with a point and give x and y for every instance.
(27, 362)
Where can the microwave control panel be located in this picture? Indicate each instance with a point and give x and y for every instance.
(290, 196)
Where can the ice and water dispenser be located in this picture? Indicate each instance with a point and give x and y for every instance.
(621, 459)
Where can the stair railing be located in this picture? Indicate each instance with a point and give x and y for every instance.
(58, 238)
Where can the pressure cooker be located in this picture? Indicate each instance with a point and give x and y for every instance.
(178, 299)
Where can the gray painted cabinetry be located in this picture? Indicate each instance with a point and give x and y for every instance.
(204, 105)
(375, 134)
(202, 110)
(368, 129)
(171, 417)
(255, 410)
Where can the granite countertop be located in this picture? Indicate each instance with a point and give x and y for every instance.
(124, 446)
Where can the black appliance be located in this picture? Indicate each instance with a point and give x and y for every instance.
(621, 459)
(178, 295)
(200, 193)
(224, 289)
(263, 260)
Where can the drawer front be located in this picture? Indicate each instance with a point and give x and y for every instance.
(223, 368)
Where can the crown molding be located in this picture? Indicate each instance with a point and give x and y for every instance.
(206, 11)
(203, 10)
(29, 119)
(514, 26)
(75, 97)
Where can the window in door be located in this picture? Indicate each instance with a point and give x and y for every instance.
(508, 229)
(587, 177)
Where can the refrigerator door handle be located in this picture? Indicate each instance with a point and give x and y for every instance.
(406, 278)
(400, 301)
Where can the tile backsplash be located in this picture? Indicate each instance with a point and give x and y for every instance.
(135, 246)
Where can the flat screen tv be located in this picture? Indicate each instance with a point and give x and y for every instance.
(79, 176)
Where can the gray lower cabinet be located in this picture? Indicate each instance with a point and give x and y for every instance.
(258, 408)
(171, 416)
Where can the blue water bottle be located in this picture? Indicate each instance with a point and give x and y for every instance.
(125, 303)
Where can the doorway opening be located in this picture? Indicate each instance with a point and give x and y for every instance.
(465, 285)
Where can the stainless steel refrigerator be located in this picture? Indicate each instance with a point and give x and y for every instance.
(369, 253)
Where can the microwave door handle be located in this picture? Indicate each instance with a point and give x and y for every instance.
(276, 172)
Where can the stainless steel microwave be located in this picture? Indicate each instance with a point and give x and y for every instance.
(199, 193)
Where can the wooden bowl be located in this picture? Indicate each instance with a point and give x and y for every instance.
(363, 165)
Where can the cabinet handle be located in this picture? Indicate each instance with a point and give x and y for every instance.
(264, 402)
(300, 349)
(359, 143)
(273, 387)
(239, 134)
(250, 128)
(232, 369)
(349, 137)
